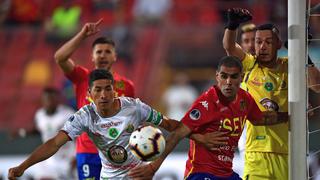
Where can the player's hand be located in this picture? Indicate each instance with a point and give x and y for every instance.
(236, 16)
(142, 172)
(15, 172)
(214, 140)
(90, 29)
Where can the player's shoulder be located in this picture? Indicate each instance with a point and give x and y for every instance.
(283, 60)
(129, 101)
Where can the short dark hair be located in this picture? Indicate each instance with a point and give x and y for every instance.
(271, 27)
(99, 74)
(103, 40)
(230, 61)
(250, 27)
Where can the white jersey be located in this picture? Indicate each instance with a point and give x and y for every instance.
(49, 126)
(111, 134)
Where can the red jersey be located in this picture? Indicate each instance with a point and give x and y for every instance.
(212, 112)
(80, 77)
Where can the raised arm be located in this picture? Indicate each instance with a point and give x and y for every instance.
(147, 171)
(43, 152)
(236, 16)
(63, 54)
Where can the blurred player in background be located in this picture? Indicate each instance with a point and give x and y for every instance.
(49, 119)
(109, 122)
(223, 109)
(247, 37)
(103, 56)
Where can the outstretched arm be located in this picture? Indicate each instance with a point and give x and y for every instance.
(236, 16)
(169, 124)
(147, 171)
(43, 152)
(272, 118)
(63, 54)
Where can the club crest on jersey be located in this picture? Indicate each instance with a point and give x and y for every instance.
(243, 105)
(130, 128)
(268, 86)
(194, 114)
(113, 133)
(120, 85)
(117, 154)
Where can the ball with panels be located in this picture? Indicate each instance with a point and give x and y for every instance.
(147, 143)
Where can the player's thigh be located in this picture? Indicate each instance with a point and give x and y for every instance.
(88, 166)
(265, 166)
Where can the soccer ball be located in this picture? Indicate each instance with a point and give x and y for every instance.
(147, 143)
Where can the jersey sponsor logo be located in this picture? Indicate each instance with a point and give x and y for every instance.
(268, 86)
(224, 158)
(117, 154)
(256, 82)
(113, 133)
(110, 124)
(194, 114)
(205, 104)
(235, 125)
(269, 104)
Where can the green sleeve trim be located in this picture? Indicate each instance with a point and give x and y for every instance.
(150, 117)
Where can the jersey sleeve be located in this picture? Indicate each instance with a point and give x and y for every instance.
(149, 114)
(254, 113)
(78, 74)
(198, 114)
(76, 124)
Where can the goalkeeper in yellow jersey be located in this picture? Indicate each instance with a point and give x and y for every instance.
(266, 79)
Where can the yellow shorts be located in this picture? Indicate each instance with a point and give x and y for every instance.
(265, 166)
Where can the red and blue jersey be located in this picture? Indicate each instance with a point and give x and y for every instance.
(212, 112)
(80, 77)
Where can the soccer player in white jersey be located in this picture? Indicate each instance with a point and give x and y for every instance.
(109, 122)
(49, 119)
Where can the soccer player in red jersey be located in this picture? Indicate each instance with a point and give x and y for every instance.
(103, 57)
(224, 108)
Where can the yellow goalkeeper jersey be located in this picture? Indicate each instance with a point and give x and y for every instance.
(269, 88)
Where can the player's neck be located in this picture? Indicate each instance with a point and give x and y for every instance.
(269, 64)
(51, 111)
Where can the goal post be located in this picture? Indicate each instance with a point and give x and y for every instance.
(297, 89)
